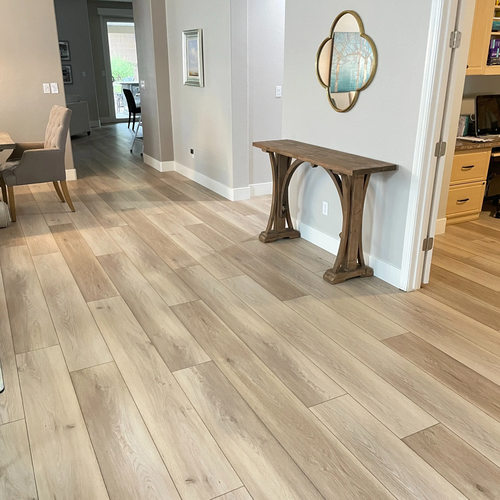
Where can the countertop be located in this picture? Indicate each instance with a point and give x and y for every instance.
(470, 146)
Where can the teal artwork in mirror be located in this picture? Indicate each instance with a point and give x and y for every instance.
(346, 61)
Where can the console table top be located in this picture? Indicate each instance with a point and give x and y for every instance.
(336, 161)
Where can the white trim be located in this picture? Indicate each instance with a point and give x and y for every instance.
(441, 226)
(161, 166)
(381, 269)
(261, 189)
(429, 128)
(95, 123)
(71, 174)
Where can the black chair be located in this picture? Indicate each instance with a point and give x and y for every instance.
(133, 109)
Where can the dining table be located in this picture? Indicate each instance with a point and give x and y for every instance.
(6, 142)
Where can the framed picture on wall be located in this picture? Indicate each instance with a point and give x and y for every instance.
(64, 50)
(67, 75)
(192, 55)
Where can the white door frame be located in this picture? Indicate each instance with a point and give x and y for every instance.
(444, 17)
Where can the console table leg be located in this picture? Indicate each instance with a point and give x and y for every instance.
(350, 261)
(280, 224)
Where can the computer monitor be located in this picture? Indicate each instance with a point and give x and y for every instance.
(488, 114)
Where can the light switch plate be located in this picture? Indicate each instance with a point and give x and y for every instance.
(278, 91)
(46, 88)
(54, 88)
(143, 84)
(84, 74)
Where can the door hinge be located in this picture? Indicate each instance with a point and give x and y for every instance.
(440, 149)
(455, 39)
(428, 244)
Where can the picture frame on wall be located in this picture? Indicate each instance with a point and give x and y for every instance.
(67, 75)
(64, 50)
(192, 55)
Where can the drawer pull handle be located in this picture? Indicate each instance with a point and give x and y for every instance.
(463, 201)
(468, 167)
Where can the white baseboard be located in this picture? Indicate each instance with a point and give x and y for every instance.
(161, 166)
(71, 174)
(441, 226)
(261, 189)
(95, 123)
(381, 269)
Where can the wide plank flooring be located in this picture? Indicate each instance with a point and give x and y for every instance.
(154, 349)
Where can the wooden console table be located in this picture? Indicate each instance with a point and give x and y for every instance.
(350, 174)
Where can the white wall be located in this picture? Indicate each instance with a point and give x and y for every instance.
(382, 125)
(73, 26)
(29, 58)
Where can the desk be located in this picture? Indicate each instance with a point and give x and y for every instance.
(6, 141)
(350, 174)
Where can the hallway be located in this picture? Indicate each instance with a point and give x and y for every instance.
(153, 348)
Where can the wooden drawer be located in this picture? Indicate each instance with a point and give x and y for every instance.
(465, 199)
(470, 167)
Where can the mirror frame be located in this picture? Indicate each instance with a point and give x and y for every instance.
(321, 47)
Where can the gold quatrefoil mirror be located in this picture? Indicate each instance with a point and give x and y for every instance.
(346, 62)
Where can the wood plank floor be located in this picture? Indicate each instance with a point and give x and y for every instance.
(154, 349)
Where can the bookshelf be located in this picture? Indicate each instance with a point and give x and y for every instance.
(485, 13)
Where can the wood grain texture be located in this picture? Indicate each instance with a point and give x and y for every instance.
(195, 462)
(130, 463)
(210, 236)
(175, 344)
(30, 320)
(330, 467)
(302, 252)
(397, 412)
(167, 284)
(294, 369)
(239, 494)
(17, 481)
(259, 460)
(402, 472)
(463, 418)
(38, 236)
(465, 468)
(263, 274)
(81, 341)
(89, 275)
(219, 267)
(170, 252)
(466, 382)
(47, 199)
(57, 433)
(12, 236)
(11, 405)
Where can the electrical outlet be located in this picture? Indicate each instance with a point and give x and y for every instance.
(143, 84)
(46, 88)
(54, 88)
(84, 74)
(192, 152)
(325, 208)
(278, 91)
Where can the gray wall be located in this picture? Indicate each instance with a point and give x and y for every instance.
(73, 26)
(382, 125)
(202, 116)
(29, 58)
(105, 111)
(152, 52)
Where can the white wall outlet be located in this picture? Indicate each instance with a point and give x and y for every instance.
(325, 208)
(46, 88)
(54, 88)
(191, 151)
(143, 84)
(84, 74)
(278, 91)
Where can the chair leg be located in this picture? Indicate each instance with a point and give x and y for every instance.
(133, 123)
(4, 189)
(58, 191)
(64, 188)
(129, 117)
(12, 203)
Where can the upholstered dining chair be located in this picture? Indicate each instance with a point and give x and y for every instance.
(37, 162)
(133, 109)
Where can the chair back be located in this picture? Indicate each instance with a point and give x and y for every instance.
(56, 132)
(132, 105)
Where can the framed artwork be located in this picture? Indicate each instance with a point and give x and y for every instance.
(64, 50)
(67, 75)
(192, 55)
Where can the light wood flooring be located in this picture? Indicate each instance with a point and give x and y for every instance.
(153, 348)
